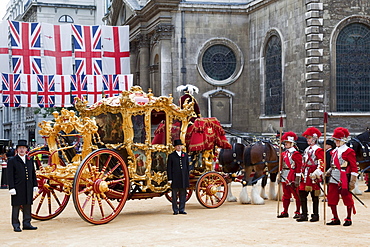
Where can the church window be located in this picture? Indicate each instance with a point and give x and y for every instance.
(353, 69)
(219, 62)
(66, 18)
(273, 86)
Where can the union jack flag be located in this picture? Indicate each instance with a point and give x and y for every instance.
(87, 47)
(26, 47)
(46, 90)
(11, 89)
(78, 86)
(111, 85)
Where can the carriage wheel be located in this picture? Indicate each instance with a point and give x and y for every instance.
(101, 186)
(168, 195)
(50, 200)
(211, 190)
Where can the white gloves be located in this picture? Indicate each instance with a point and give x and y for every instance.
(35, 189)
(316, 174)
(12, 192)
(170, 182)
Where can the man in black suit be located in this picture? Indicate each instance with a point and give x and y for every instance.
(22, 183)
(178, 176)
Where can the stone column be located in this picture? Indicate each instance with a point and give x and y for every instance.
(314, 65)
(163, 35)
(144, 57)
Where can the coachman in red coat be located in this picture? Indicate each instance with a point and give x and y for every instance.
(342, 176)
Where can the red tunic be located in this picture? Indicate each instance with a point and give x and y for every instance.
(345, 158)
(312, 158)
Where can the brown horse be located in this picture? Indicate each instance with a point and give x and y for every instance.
(260, 158)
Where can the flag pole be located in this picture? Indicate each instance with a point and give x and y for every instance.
(280, 164)
(324, 181)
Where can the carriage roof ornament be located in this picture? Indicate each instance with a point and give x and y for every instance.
(191, 89)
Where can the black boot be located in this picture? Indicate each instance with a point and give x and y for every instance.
(314, 218)
(333, 222)
(283, 215)
(347, 222)
(296, 215)
(302, 218)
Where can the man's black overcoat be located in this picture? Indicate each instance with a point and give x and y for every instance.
(179, 177)
(20, 180)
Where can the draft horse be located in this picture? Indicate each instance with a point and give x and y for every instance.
(361, 145)
(257, 159)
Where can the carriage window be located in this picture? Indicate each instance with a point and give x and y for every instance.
(139, 128)
(273, 87)
(158, 127)
(352, 68)
(110, 128)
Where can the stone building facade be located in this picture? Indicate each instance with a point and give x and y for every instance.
(256, 60)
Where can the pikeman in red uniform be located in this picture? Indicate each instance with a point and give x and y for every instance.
(312, 169)
(343, 174)
(290, 173)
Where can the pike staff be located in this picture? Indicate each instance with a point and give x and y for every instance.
(325, 123)
(280, 164)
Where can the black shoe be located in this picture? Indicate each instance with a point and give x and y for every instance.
(17, 229)
(183, 212)
(30, 228)
(302, 218)
(175, 213)
(314, 218)
(347, 222)
(283, 215)
(333, 222)
(368, 190)
(296, 215)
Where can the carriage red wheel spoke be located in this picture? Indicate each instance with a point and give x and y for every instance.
(49, 189)
(101, 186)
(211, 190)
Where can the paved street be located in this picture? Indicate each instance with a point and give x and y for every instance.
(151, 223)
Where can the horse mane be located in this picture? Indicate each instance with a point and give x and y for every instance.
(364, 136)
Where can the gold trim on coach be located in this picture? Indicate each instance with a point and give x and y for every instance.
(133, 104)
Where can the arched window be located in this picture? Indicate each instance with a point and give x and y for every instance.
(273, 89)
(66, 18)
(353, 68)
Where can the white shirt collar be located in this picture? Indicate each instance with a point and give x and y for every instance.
(23, 158)
(179, 153)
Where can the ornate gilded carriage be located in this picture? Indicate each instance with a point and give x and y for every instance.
(116, 150)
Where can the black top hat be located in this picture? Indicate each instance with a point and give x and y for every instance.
(177, 142)
(22, 143)
(331, 143)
